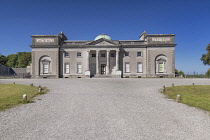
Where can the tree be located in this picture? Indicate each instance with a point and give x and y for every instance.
(207, 74)
(181, 73)
(24, 59)
(3, 59)
(206, 57)
(176, 71)
(12, 60)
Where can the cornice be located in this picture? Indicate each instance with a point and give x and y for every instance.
(44, 46)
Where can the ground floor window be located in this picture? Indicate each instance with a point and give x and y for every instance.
(139, 67)
(161, 66)
(161, 62)
(67, 70)
(45, 65)
(79, 67)
(127, 67)
(45, 68)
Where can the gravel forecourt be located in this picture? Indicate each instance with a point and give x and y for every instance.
(104, 109)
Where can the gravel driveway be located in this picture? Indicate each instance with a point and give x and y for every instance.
(104, 109)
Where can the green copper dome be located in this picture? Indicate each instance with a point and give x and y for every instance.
(103, 36)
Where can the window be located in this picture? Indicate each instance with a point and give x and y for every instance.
(161, 67)
(45, 68)
(139, 67)
(66, 54)
(139, 54)
(161, 62)
(112, 55)
(93, 55)
(126, 53)
(79, 54)
(103, 55)
(45, 65)
(67, 68)
(127, 67)
(79, 68)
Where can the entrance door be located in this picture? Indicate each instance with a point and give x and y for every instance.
(103, 68)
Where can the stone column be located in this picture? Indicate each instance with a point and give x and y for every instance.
(88, 60)
(117, 60)
(97, 57)
(107, 66)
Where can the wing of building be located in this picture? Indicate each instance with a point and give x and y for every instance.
(54, 56)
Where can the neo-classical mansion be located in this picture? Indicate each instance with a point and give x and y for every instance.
(54, 56)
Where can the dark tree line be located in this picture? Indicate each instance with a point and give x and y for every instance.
(19, 60)
(177, 72)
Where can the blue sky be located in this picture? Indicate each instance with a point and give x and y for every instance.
(189, 20)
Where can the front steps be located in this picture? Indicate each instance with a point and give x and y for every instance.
(103, 76)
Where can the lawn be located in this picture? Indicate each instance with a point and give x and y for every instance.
(11, 94)
(193, 95)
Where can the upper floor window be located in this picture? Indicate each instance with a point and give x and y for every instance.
(103, 55)
(66, 54)
(112, 55)
(93, 55)
(126, 53)
(79, 54)
(139, 54)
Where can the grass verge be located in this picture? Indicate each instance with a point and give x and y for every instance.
(11, 94)
(193, 95)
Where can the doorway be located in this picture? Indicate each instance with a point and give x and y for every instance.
(103, 68)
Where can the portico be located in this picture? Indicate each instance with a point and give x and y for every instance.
(102, 62)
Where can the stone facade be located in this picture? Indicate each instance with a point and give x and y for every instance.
(53, 56)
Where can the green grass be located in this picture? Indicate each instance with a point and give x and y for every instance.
(193, 95)
(11, 94)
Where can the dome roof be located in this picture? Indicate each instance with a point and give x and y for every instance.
(103, 36)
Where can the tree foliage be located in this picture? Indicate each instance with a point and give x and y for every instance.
(181, 73)
(3, 59)
(206, 57)
(19, 60)
(207, 74)
(177, 72)
(24, 59)
(12, 60)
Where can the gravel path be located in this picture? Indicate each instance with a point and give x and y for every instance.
(104, 109)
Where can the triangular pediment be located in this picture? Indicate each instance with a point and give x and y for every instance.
(102, 42)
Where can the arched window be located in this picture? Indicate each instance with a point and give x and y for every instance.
(45, 65)
(161, 64)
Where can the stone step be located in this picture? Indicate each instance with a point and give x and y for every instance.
(104, 76)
